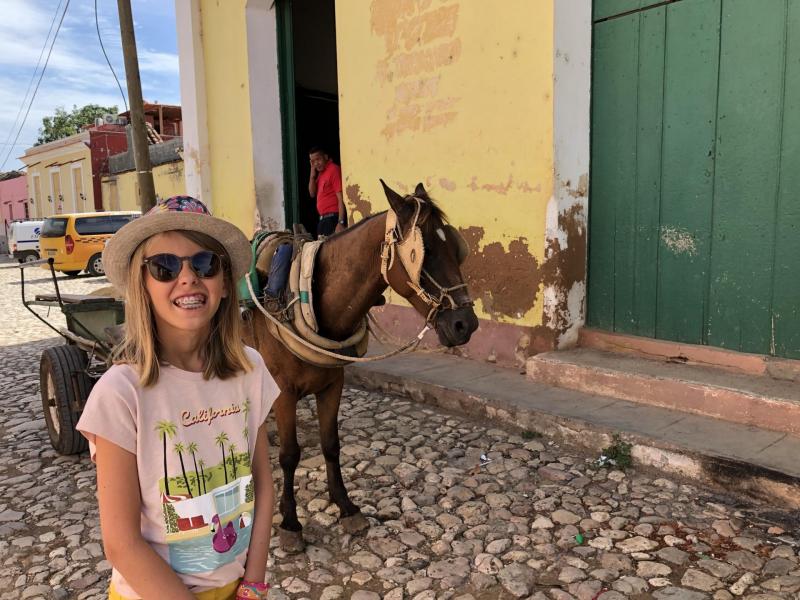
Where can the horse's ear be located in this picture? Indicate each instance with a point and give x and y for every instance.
(395, 200)
(420, 191)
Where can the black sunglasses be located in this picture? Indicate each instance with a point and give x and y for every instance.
(167, 267)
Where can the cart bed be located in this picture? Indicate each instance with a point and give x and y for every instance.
(74, 298)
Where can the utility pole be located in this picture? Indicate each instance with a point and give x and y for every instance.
(141, 152)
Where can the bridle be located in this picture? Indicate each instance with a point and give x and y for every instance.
(404, 275)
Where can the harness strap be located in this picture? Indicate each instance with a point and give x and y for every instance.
(410, 345)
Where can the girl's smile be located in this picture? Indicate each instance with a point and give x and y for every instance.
(190, 301)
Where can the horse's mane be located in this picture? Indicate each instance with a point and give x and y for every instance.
(429, 209)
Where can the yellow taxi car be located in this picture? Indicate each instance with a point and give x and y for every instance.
(75, 241)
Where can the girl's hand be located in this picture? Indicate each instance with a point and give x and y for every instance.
(252, 590)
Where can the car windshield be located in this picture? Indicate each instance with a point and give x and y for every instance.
(101, 225)
(54, 227)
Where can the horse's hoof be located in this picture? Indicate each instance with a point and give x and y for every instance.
(355, 523)
(291, 542)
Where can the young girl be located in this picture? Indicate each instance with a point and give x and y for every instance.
(177, 425)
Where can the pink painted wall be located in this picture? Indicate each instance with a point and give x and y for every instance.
(13, 198)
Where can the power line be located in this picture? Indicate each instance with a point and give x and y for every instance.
(36, 89)
(33, 75)
(99, 37)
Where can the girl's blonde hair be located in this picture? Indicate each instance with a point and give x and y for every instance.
(224, 352)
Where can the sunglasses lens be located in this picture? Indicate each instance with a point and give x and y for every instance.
(206, 264)
(164, 267)
(167, 267)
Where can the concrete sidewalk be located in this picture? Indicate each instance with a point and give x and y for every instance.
(759, 462)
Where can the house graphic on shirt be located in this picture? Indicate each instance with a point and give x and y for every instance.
(197, 514)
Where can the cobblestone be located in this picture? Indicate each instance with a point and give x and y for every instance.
(539, 521)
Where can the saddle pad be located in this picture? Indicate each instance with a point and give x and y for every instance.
(307, 258)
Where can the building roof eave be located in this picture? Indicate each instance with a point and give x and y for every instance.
(83, 136)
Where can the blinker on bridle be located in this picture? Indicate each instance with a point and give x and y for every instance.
(411, 252)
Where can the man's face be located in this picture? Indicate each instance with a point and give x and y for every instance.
(319, 161)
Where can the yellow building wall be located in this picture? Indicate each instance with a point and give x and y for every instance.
(121, 191)
(59, 162)
(459, 96)
(228, 107)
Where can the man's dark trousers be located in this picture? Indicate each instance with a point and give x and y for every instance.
(327, 224)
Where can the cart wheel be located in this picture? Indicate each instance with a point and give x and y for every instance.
(95, 267)
(72, 274)
(61, 399)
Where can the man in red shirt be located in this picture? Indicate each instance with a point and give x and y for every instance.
(325, 184)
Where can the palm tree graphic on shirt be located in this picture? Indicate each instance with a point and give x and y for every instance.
(179, 450)
(165, 429)
(220, 440)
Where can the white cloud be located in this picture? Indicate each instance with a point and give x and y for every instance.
(151, 61)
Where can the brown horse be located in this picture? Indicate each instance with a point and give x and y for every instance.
(348, 282)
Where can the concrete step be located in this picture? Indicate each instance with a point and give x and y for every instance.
(693, 354)
(751, 460)
(758, 401)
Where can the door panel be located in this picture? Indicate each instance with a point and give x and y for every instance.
(748, 152)
(687, 168)
(786, 277)
(77, 190)
(652, 30)
(613, 151)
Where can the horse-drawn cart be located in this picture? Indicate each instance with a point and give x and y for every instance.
(68, 372)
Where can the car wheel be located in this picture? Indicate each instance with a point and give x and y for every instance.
(30, 257)
(95, 266)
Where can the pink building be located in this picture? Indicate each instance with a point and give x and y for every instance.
(13, 202)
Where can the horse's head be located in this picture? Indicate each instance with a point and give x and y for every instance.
(423, 264)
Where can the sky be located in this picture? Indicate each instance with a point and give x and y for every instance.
(77, 73)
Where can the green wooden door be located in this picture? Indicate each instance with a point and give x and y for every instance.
(694, 231)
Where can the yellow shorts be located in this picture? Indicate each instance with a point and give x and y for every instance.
(226, 592)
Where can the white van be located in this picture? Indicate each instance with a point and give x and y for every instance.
(23, 240)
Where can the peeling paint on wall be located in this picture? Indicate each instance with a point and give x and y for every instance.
(447, 184)
(419, 40)
(361, 206)
(505, 281)
(503, 187)
(564, 275)
(678, 240)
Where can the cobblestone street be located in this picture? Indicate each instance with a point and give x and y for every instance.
(459, 509)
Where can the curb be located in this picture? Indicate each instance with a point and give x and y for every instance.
(758, 482)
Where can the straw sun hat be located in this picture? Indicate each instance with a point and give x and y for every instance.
(179, 213)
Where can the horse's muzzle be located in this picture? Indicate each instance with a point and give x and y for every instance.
(455, 326)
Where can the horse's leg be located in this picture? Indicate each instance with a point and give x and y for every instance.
(290, 532)
(328, 412)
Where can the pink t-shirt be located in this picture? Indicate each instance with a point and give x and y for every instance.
(199, 520)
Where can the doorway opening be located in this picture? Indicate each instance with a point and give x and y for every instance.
(309, 97)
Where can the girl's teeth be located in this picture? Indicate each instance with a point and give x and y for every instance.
(189, 302)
